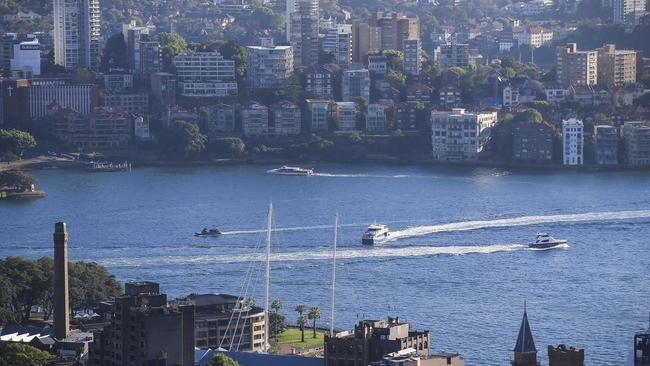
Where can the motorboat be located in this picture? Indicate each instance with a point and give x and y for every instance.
(292, 170)
(208, 232)
(375, 234)
(544, 241)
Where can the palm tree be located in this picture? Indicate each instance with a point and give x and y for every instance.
(250, 302)
(301, 320)
(276, 305)
(314, 314)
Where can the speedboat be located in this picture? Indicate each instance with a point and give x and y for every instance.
(375, 234)
(292, 170)
(544, 241)
(208, 232)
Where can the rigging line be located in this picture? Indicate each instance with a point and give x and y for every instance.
(239, 313)
(255, 279)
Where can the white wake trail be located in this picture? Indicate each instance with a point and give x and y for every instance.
(518, 221)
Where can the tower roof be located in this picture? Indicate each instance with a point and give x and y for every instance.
(525, 342)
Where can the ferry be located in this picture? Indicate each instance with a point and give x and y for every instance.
(208, 232)
(375, 234)
(292, 170)
(545, 241)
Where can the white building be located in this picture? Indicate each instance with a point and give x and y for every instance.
(141, 128)
(459, 135)
(269, 66)
(205, 74)
(376, 120)
(346, 117)
(76, 33)
(534, 36)
(356, 83)
(338, 41)
(43, 93)
(26, 57)
(378, 64)
(412, 56)
(286, 118)
(572, 142)
(628, 12)
(319, 114)
(510, 96)
(255, 119)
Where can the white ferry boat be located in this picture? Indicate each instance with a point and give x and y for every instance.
(292, 170)
(376, 234)
(544, 241)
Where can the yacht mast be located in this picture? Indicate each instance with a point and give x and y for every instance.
(267, 277)
(336, 229)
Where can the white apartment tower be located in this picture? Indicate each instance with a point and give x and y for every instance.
(459, 135)
(628, 12)
(572, 142)
(76, 33)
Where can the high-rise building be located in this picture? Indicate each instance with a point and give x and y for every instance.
(572, 142)
(616, 67)
(525, 351)
(205, 74)
(269, 66)
(26, 57)
(163, 90)
(637, 143)
(459, 135)
(575, 67)
(605, 145)
(365, 39)
(565, 356)
(76, 33)
(338, 41)
(454, 55)
(133, 35)
(412, 57)
(356, 83)
(149, 58)
(384, 31)
(304, 33)
(628, 12)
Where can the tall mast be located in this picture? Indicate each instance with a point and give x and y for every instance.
(267, 277)
(336, 230)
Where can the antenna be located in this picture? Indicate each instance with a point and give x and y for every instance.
(267, 276)
(336, 230)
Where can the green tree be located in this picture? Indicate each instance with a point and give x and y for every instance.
(13, 354)
(84, 76)
(222, 360)
(183, 139)
(396, 79)
(314, 315)
(171, 44)
(114, 54)
(276, 305)
(228, 146)
(528, 116)
(277, 324)
(601, 119)
(234, 51)
(302, 320)
(16, 179)
(16, 141)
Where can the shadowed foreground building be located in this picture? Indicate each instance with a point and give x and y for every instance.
(642, 348)
(371, 341)
(563, 356)
(525, 351)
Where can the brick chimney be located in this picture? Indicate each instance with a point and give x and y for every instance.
(61, 300)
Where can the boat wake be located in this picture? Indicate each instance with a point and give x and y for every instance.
(517, 221)
(561, 246)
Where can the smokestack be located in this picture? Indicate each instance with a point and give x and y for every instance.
(61, 300)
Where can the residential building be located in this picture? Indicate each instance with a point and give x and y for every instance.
(133, 35)
(454, 55)
(376, 119)
(79, 97)
(572, 142)
(641, 352)
(163, 90)
(319, 113)
(356, 83)
(534, 36)
(637, 143)
(616, 67)
(409, 357)
(286, 118)
(7, 41)
(412, 56)
(365, 39)
(321, 81)
(533, 143)
(394, 28)
(76, 33)
(345, 117)
(419, 92)
(555, 93)
(565, 356)
(338, 41)
(628, 13)
(449, 96)
(371, 340)
(255, 119)
(378, 64)
(227, 322)
(406, 116)
(144, 330)
(219, 118)
(135, 103)
(575, 67)
(148, 62)
(115, 82)
(304, 32)
(510, 96)
(102, 129)
(176, 113)
(459, 135)
(606, 145)
(141, 128)
(269, 67)
(26, 56)
(205, 74)
(525, 352)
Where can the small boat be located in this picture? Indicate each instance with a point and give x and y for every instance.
(208, 232)
(291, 170)
(375, 234)
(544, 241)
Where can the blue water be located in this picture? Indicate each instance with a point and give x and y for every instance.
(458, 267)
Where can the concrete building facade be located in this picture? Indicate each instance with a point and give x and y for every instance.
(355, 83)
(575, 67)
(459, 135)
(572, 142)
(255, 119)
(637, 143)
(606, 145)
(533, 143)
(616, 67)
(269, 67)
(205, 74)
(76, 33)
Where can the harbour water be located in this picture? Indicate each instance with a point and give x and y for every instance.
(458, 264)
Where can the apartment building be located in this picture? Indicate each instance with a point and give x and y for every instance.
(205, 74)
(269, 66)
(616, 67)
(573, 67)
(255, 119)
(319, 114)
(606, 145)
(572, 142)
(459, 135)
(637, 143)
(355, 83)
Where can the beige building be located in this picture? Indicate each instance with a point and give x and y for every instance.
(459, 135)
(575, 67)
(616, 67)
(384, 31)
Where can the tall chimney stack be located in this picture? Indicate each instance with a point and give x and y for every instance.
(61, 300)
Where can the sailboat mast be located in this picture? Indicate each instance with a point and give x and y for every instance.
(336, 230)
(267, 277)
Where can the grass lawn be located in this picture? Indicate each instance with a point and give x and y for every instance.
(292, 336)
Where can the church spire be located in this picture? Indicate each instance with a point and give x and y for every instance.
(525, 351)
